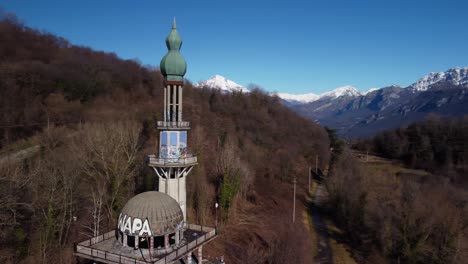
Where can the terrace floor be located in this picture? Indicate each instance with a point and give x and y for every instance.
(107, 249)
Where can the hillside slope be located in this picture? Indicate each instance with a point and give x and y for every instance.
(75, 100)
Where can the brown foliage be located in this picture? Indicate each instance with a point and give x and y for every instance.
(93, 93)
(398, 217)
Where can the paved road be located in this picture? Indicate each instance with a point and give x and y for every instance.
(324, 252)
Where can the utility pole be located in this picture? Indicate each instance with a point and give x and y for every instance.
(316, 164)
(48, 124)
(216, 215)
(294, 201)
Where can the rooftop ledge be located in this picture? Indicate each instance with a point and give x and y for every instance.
(154, 161)
(173, 125)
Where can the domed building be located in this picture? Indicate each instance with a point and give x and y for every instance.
(152, 226)
(151, 218)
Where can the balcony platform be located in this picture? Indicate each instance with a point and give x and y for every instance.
(106, 249)
(153, 161)
(179, 125)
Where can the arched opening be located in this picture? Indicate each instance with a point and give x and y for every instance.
(159, 242)
(172, 239)
(131, 241)
(144, 242)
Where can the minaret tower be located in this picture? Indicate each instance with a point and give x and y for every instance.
(173, 163)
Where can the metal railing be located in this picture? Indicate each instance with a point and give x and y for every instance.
(189, 247)
(86, 249)
(153, 160)
(173, 124)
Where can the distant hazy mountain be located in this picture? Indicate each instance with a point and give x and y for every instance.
(359, 114)
(294, 99)
(222, 83)
(298, 98)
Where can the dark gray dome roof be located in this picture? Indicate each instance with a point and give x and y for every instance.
(162, 211)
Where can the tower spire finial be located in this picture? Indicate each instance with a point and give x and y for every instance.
(173, 65)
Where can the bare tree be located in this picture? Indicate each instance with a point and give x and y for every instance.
(107, 154)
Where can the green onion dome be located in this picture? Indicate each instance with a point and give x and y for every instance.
(173, 65)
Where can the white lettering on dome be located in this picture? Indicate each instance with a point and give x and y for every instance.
(121, 221)
(127, 224)
(146, 229)
(136, 224)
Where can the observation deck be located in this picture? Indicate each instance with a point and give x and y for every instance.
(105, 249)
(173, 125)
(154, 161)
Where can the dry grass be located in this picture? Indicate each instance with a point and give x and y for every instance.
(392, 168)
(378, 165)
(19, 145)
(341, 254)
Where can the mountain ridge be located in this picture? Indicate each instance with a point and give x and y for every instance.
(456, 76)
(354, 114)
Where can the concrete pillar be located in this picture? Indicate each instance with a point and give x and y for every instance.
(125, 240)
(174, 99)
(180, 103)
(166, 241)
(151, 246)
(167, 180)
(168, 111)
(200, 254)
(177, 172)
(176, 236)
(137, 241)
(189, 258)
(165, 107)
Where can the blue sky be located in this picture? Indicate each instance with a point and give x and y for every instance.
(284, 46)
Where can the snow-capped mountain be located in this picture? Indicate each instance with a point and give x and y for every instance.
(356, 114)
(456, 76)
(444, 94)
(370, 91)
(348, 90)
(222, 83)
(341, 91)
(298, 98)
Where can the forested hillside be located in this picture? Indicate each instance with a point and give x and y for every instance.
(438, 145)
(402, 197)
(93, 115)
(44, 78)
